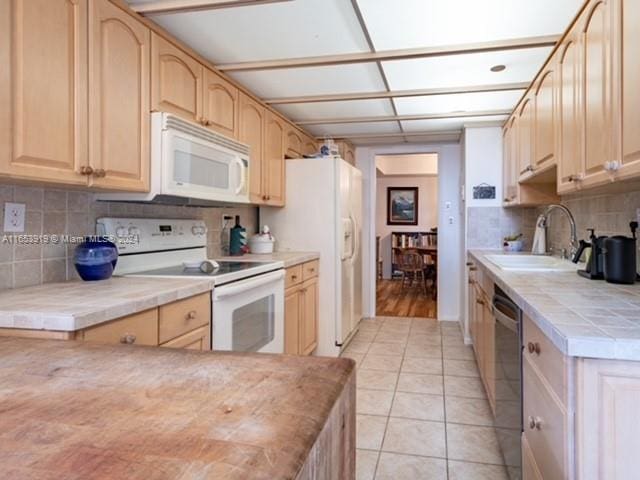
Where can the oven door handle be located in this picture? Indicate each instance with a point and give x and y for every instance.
(244, 286)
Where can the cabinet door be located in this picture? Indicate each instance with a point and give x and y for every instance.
(293, 142)
(507, 164)
(220, 104)
(570, 161)
(471, 305)
(310, 147)
(309, 320)
(198, 339)
(176, 81)
(273, 161)
(251, 132)
(597, 91)
(489, 354)
(630, 91)
(525, 137)
(292, 315)
(43, 89)
(119, 100)
(349, 155)
(529, 468)
(544, 130)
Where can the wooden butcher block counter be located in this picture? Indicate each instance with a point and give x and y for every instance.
(72, 410)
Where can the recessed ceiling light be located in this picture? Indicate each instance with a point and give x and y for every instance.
(498, 68)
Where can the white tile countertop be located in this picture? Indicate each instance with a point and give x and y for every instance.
(289, 259)
(71, 306)
(582, 317)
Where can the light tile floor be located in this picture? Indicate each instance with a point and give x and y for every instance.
(421, 409)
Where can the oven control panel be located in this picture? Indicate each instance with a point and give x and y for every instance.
(137, 235)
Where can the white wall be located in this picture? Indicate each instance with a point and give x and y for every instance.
(427, 211)
(449, 234)
(483, 163)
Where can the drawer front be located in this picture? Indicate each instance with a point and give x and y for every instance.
(293, 276)
(138, 329)
(183, 316)
(198, 339)
(310, 269)
(551, 363)
(545, 425)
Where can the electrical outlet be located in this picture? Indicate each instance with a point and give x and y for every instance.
(14, 217)
(450, 220)
(447, 205)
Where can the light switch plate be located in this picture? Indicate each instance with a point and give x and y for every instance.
(14, 217)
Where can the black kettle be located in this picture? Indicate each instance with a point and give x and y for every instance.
(619, 257)
(594, 269)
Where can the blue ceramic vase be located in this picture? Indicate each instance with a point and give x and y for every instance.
(95, 260)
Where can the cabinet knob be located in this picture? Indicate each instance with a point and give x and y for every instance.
(469, 264)
(294, 277)
(471, 281)
(86, 170)
(128, 339)
(533, 348)
(473, 269)
(479, 301)
(191, 315)
(535, 423)
(529, 168)
(99, 173)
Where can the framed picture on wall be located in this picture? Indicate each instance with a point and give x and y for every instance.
(402, 205)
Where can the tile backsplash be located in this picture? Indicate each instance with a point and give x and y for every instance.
(609, 214)
(71, 212)
(487, 226)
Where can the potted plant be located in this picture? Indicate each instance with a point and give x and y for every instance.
(512, 243)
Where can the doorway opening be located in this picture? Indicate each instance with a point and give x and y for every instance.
(407, 235)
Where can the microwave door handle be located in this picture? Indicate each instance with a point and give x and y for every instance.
(243, 175)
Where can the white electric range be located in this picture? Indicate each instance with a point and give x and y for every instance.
(248, 297)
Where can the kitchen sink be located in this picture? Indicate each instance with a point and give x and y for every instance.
(531, 263)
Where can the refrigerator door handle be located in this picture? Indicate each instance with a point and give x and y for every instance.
(354, 237)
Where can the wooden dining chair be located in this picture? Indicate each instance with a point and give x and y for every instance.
(430, 272)
(411, 265)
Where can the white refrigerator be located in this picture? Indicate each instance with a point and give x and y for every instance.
(323, 214)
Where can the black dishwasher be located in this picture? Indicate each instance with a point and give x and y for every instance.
(508, 364)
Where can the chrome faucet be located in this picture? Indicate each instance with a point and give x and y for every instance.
(544, 217)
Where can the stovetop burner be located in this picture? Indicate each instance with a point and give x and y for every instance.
(225, 267)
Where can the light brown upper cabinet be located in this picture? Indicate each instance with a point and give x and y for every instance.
(119, 101)
(273, 165)
(597, 91)
(570, 147)
(220, 105)
(509, 162)
(525, 137)
(630, 91)
(251, 132)
(293, 142)
(176, 81)
(544, 131)
(310, 146)
(43, 90)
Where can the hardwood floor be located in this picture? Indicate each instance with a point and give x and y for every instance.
(392, 301)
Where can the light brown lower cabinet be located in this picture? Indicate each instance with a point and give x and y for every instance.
(184, 323)
(482, 329)
(301, 309)
(580, 414)
(198, 339)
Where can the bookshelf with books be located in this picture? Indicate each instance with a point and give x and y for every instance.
(401, 240)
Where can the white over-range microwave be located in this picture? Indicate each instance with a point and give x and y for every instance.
(190, 164)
